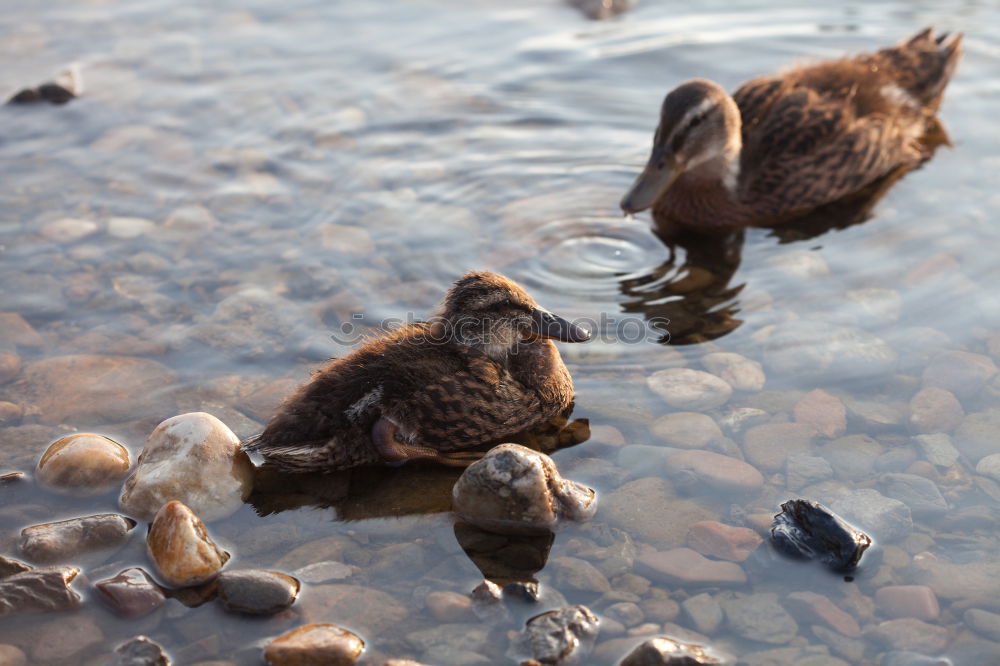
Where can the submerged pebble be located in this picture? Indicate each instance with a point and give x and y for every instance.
(740, 372)
(808, 530)
(257, 591)
(83, 464)
(665, 651)
(561, 637)
(760, 617)
(67, 539)
(193, 458)
(181, 549)
(140, 651)
(688, 389)
(39, 590)
(131, 593)
(315, 645)
(514, 489)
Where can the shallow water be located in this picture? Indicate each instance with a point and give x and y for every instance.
(314, 167)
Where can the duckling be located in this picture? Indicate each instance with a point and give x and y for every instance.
(786, 144)
(484, 368)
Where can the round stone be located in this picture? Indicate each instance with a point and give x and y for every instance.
(686, 430)
(688, 389)
(257, 591)
(738, 371)
(181, 549)
(315, 645)
(83, 464)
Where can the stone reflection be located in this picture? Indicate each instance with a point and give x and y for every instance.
(509, 560)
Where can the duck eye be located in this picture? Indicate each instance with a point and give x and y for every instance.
(696, 121)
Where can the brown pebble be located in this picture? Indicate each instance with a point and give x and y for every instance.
(824, 412)
(935, 410)
(721, 541)
(83, 464)
(315, 645)
(683, 565)
(181, 549)
(917, 601)
(820, 610)
(449, 606)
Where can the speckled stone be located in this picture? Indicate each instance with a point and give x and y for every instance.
(315, 645)
(688, 389)
(83, 464)
(257, 591)
(181, 549)
(562, 636)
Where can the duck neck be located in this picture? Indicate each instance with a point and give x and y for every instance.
(538, 366)
(719, 169)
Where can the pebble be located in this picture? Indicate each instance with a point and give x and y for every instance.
(181, 549)
(626, 612)
(736, 370)
(140, 651)
(39, 590)
(824, 412)
(691, 390)
(257, 591)
(686, 430)
(65, 640)
(560, 637)
(899, 601)
(366, 609)
(811, 349)
(910, 634)
(962, 373)
(768, 446)
(721, 541)
(193, 458)
(882, 306)
(10, 413)
(799, 264)
(886, 519)
(760, 617)
(9, 566)
(658, 499)
(129, 227)
(10, 366)
(67, 539)
(704, 612)
(11, 655)
(665, 651)
(985, 622)
(516, 490)
(131, 593)
(807, 530)
(969, 581)
(920, 494)
(804, 470)
(935, 410)
(315, 645)
(989, 466)
(976, 437)
(87, 389)
(937, 449)
(575, 574)
(714, 470)
(15, 330)
(853, 457)
(324, 572)
(447, 606)
(68, 229)
(817, 609)
(83, 464)
(877, 417)
(687, 566)
(736, 420)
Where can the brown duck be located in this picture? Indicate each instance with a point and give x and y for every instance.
(786, 144)
(483, 369)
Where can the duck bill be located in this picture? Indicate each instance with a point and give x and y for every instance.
(660, 173)
(547, 325)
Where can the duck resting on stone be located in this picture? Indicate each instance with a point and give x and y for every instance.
(483, 369)
(786, 144)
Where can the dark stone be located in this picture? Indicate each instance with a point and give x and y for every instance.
(257, 591)
(9, 566)
(807, 530)
(665, 651)
(39, 590)
(11, 477)
(132, 593)
(47, 92)
(52, 542)
(140, 651)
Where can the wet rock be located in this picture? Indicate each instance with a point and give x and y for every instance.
(181, 549)
(655, 496)
(853, 457)
(560, 637)
(131, 593)
(67, 85)
(937, 449)
(129, 227)
(664, 651)
(368, 610)
(694, 469)
(88, 389)
(257, 591)
(194, 458)
(989, 466)
(10, 414)
(817, 609)
(721, 541)
(83, 464)
(824, 412)
(976, 437)
(67, 539)
(767, 446)
(11, 655)
(886, 519)
(65, 640)
(15, 330)
(808, 530)
(324, 572)
(935, 410)
(760, 617)
(68, 229)
(972, 581)
(741, 373)
(516, 490)
(39, 590)
(691, 390)
(899, 601)
(920, 494)
(451, 644)
(962, 373)
(910, 634)
(9, 566)
(572, 573)
(736, 420)
(815, 349)
(626, 612)
(877, 417)
(704, 612)
(804, 470)
(598, 10)
(250, 324)
(140, 651)
(985, 622)
(449, 606)
(686, 566)
(10, 366)
(686, 430)
(315, 645)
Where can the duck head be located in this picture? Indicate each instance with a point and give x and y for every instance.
(698, 135)
(492, 312)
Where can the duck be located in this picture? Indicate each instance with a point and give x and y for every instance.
(483, 368)
(786, 144)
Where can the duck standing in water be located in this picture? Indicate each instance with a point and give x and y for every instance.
(786, 144)
(485, 368)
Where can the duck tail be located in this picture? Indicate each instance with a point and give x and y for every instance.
(924, 64)
(318, 456)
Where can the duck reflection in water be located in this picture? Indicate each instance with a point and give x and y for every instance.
(802, 153)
